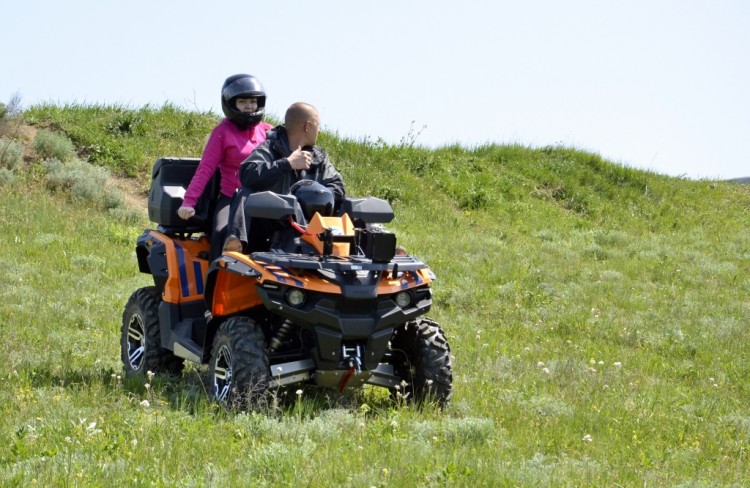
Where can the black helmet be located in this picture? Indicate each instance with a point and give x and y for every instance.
(246, 86)
(313, 197)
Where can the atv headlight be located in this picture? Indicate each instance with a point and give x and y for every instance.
(296, 297)
(403, 299)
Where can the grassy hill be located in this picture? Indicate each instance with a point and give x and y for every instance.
(597, 315)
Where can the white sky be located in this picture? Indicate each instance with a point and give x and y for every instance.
(662, 85)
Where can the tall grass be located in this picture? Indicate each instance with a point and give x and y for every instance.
(125, 140)
(597, 315)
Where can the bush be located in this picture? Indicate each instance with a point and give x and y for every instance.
(11, 153)
(50, 145)
(127, 141)
(128, 216)
(84, 182)
(7, 177)
(112, 199)
(10, 115)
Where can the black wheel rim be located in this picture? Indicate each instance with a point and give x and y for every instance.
(223, 373)
(136, 342)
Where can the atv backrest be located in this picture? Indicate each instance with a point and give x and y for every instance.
(169, 181)
(368, 210)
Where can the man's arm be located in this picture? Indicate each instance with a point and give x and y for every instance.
(260, 171)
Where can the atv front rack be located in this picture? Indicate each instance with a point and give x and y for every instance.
(339, 263)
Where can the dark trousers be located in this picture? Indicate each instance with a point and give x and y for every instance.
(254, 233)
(219, 231)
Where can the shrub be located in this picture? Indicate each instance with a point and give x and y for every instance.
(83, 181)
(50, 145)
(474, 200)
(127, 141)
(11, 153)
(7, 177)
(112, 199)
(128, 216)
(10, 118)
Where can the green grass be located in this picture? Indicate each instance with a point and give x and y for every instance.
(125, 140)
(597, 315)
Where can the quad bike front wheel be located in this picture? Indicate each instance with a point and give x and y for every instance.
(239, 372)
(421, 356)
(140, 348)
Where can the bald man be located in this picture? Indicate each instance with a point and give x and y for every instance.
(289, 154)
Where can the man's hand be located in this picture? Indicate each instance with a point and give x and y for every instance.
(300, 159)
(185, 212)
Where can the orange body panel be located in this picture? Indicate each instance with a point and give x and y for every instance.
(403, 281)
(187, 272)
(342, 226)
(298, 279)
(235, 293)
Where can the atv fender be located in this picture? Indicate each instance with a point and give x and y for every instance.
(176, 264)
(229, 274)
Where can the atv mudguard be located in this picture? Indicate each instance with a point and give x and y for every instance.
(270, 205)
(178, 265)
(370, 210)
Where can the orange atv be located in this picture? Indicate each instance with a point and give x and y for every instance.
(329, 303)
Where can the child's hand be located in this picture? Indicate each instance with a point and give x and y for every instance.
(185, 212)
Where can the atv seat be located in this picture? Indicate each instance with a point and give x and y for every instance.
(169, 181)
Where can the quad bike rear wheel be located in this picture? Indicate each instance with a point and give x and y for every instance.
(421, 357)
(239, 369)
(140, 347)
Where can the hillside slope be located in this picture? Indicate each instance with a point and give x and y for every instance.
(597, 314)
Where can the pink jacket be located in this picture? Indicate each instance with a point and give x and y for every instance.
(226, 148)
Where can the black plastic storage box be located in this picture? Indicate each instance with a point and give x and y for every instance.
(380, 246)
(169, 181)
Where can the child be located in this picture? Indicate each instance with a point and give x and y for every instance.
(243, 102)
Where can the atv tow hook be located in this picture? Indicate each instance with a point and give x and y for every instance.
(354, 364)
(348, 375)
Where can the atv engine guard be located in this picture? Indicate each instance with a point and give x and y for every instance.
(302, 371)
(380, 376)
